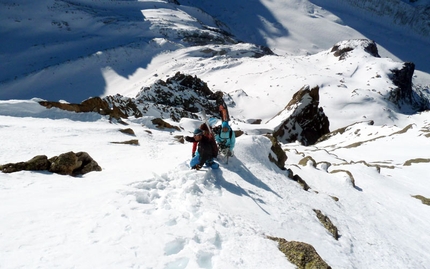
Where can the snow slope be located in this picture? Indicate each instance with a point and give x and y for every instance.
(146, 208)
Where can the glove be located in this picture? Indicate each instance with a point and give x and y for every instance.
(189, 139)
(197, 167)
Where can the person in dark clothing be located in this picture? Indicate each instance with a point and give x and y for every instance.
(204, 150)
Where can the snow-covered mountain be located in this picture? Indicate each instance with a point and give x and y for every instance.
(271, 61)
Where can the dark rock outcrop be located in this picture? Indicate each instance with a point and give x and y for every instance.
(301, 182)
(37, 163)
(180, 96)
(307, 121)
(128, 131)
(277, 155)
(69, 163)
(161, 124)
(95, 104)
(402, 78)
(123, 107)
(326, 222)
(342, 49)
(303, 255)
(404, 93)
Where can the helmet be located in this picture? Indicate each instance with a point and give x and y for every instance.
(198, 132)
(224, 124)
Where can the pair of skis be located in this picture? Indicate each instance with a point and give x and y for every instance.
(224, 115)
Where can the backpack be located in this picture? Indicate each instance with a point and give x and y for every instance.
(218, 130)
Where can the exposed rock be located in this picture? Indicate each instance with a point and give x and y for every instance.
(280, 156)
(334, 198)
(306, 122)
(180, 96)
(402, 78)
(302, 183)
(129, 142)
(128, 131)
(264, 51)
(297, 179)
(123, 107)
(186, 93)
(404, 93)
(238, 133)
(95, 104)
(161, 124)
(37, 163)
(423, 199)
(179, 138)
(342, 48)
(349, 178)
(254, 51)
(303, 255)
(327, 224)
(255, 121)
(290, 173)
(87, 164)
(65, 164)
(201, 38)
(308, 159)
(417, 160)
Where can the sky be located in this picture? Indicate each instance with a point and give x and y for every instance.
(146, 208)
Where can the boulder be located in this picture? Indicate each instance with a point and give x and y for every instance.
(87, 164)
(65, 164)
(300, 254)
(128, 131)
(37, 163)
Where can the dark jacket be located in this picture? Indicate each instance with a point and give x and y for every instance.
(206, 147)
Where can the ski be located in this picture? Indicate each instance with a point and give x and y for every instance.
(223, 110)
(205, 119)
